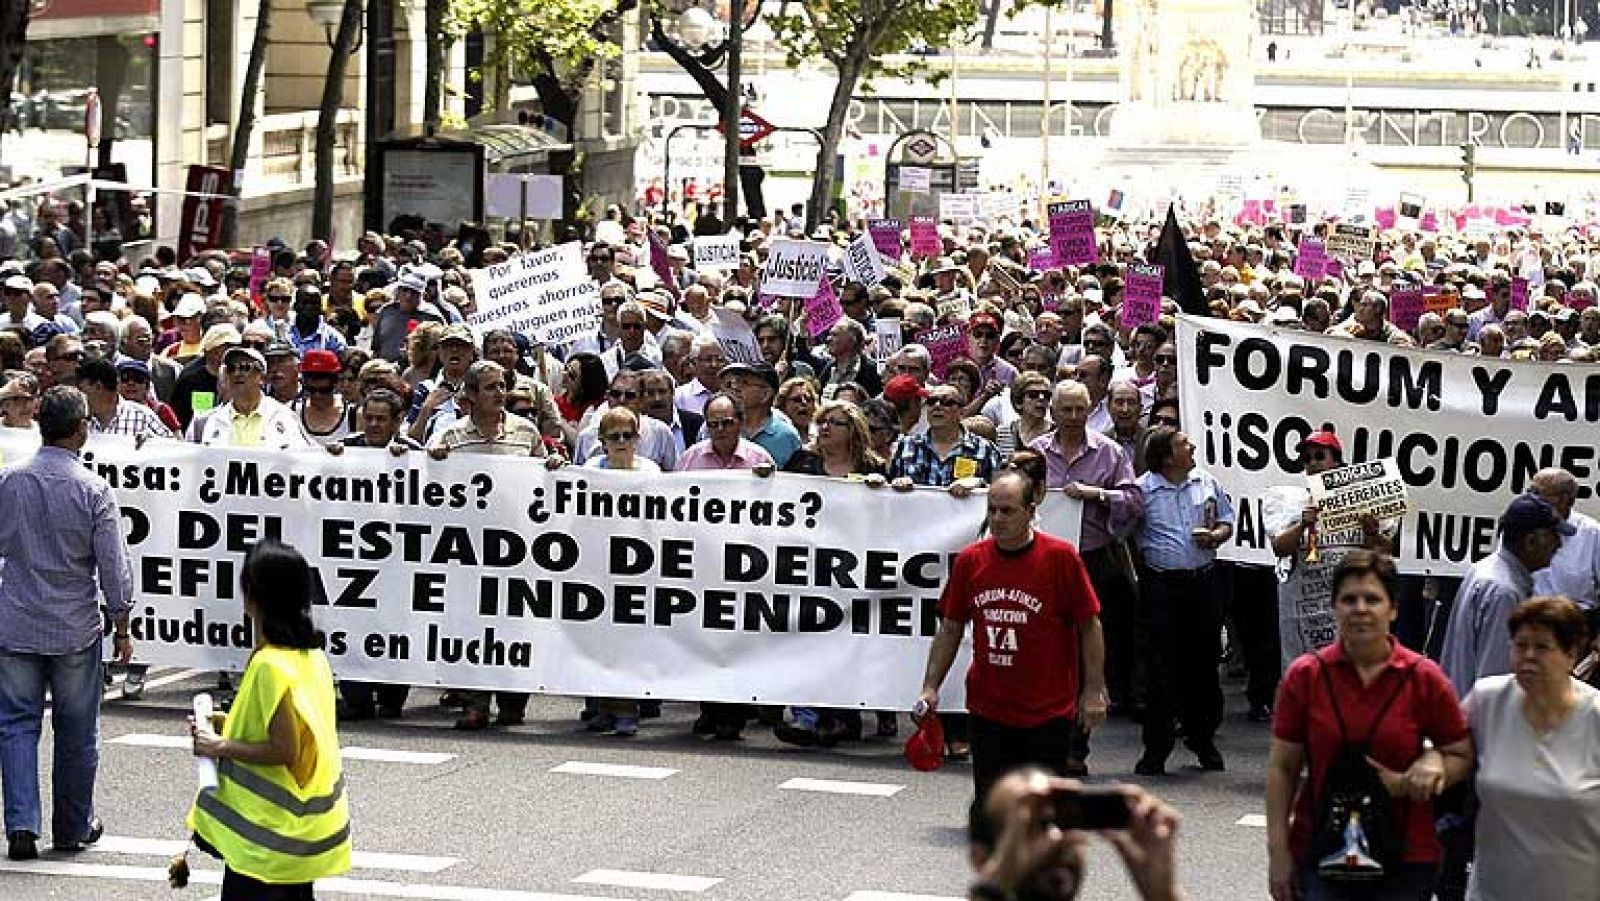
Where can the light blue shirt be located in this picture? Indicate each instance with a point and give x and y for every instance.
(1173, 512)
(778, 438)
(1476, 644)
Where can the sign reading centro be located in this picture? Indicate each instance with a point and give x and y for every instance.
(1466, 433)
(794, 268)
(492, 572)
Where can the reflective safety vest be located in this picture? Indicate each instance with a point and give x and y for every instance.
(263, 822)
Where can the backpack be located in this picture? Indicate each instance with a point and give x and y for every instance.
(1357, 837)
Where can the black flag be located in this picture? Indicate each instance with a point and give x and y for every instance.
(1182, 281)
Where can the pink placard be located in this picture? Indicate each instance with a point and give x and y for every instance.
(886, 237)
(1406, 307)
(1430, 221)
(1311, 263)
(1335, 268)
(822, 309)
(1141, 295)
(1072, 240)
(945, 343)
(925, 240)
(1386, 217)
(1041, 259)
(260, 269)
(1519, 293)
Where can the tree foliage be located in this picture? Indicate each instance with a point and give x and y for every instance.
(555, 44)
(863, 40)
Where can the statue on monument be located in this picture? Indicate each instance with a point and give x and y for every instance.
(1182, 54)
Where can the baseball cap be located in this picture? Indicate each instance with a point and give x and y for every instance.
(902, 388)
(279, 349)
(982, 318)
(135, 366)
(218, 336)
(458, 332)
(19, 283)
(320, 362)
(413, 281)
(1530, 513)
(656, 304)
(763, 371)
(241, 350)
(15, 388)
(201, 276)
(1322, 437)
(189, 305)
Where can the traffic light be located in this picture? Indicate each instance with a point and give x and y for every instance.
(1469, 162)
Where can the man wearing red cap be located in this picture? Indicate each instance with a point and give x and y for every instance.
(906, 394)
(1305, 605)
(983, 340)
(323, 413)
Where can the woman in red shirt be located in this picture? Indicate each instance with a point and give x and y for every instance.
(1364, 688)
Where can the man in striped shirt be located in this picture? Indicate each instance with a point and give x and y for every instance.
(109, 414)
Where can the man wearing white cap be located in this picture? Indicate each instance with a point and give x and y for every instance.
(395, 320)
(17, 293)
(186, 316)
(250, 418)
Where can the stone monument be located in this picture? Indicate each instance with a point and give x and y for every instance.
(1187, 74)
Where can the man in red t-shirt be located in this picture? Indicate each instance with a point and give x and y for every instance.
(1036, 636)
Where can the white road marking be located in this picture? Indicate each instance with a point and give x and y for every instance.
(836, 787)
(664, 882)
(382, 755)
(116, 691)
(621, 771)
(370, 888)
(896, 896)
(364, 860)
(1252, 819)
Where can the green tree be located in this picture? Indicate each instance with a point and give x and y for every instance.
(858, 37)
(13, 38)
(332, 92)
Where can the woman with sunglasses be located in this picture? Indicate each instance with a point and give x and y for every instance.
(797, 399)
(1029, 411)
(842, 449)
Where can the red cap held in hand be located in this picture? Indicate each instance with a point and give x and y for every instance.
(925, 747)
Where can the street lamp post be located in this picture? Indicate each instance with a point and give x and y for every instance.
(731, 110)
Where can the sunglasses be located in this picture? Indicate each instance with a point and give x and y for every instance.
(73, 355)
(621, 437)
(235, 368)
(278, 298)
(1036, 395)
(907, 368)
(837, 423)
(721, 423)
(632, 326)
(132, 377)
(1166, 359)
(985, 334)
(942, 402)
(619, 394)
(1164, 420)
(610, 302)
(1096, 342)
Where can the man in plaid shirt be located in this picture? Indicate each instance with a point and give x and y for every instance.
(947, 454)
(109, 414)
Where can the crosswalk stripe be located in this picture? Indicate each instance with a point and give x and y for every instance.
(1252, 819)
(582, 768)
(363, 860)
(369, 888)
(381, 755)
(664, 882)
(896, 896)
(839, 787)
(116, 691)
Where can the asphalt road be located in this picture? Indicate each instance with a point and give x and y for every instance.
(542, 811)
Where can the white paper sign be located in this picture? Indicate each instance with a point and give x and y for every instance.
(738, 342)
(505, 193)
(915, 179)
(861, 262)
(961, 209)
(889, 338)
(794, 268)
(546, 295)
(714, 254)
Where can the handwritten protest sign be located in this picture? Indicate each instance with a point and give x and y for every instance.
(861, 263)
(1040, 259)
(1072, 241)
(738, 341)
(260, 269)
(916, 179)
(546, 295)
(794, 267)
(1141, 296)
(962, 209)
(1351, 243)
(889, 338)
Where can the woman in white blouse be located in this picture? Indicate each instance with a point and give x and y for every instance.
(1537, 733)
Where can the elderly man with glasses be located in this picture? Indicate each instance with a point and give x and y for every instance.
(250, 418)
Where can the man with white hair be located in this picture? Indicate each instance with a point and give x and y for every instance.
(104, 327)
(633, 339)
(47, 306)
(706, 359)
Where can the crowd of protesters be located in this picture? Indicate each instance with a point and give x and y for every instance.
(372, 348)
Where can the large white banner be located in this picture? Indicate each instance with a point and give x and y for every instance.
(546, 295)
(492, 572)
(1467, 433)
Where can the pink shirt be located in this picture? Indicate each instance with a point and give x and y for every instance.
(747, 455)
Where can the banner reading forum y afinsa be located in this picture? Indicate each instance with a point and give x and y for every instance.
(1467, 433)
(492, 572)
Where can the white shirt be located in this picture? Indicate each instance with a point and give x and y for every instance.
(656, 441)
(1538, 828)
(1575, 569)
(692, 397)
(1100, 416)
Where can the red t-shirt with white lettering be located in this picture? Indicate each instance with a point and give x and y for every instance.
(1025, 608)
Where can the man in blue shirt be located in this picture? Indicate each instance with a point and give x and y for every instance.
(62, 550)
(1187, 516)
(756, 384)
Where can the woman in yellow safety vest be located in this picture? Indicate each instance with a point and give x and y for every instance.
(278, 816)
